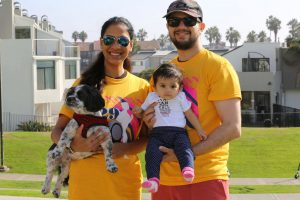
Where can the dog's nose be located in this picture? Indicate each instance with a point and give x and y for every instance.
(70, 99)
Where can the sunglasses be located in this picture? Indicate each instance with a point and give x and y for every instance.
(109, 40)
(187, 21)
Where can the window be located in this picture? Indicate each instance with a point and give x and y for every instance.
(256, 64)
(262, 102)
(22, 33)
(138, 63)
(246, 100)
(70, 69)
(45, 74)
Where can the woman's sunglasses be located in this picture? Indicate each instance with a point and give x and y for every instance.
(187, 21)
(109, 40)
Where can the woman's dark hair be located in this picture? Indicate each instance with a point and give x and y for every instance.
(95, 74)
(168, 71)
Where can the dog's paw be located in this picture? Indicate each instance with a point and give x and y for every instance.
(45, 190)
(112, 168)
(56, 193)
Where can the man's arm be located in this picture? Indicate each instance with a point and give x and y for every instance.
(230, 113)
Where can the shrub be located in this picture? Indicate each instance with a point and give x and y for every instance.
(34, 126)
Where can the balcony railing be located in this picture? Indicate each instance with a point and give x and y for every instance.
(54, 47)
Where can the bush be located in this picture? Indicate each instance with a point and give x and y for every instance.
(267, 123)
(33, 126)
(146, 74)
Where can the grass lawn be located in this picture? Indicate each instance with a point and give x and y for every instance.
(266, 153)
(26, 152)
(260, 152)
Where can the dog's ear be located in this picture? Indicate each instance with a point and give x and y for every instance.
(95, 102)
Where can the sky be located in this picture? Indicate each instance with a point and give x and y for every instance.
(89, 15)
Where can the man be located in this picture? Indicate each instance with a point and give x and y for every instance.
(212, 85)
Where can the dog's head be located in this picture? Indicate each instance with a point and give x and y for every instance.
(84, 99)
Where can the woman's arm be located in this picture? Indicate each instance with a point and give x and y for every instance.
(79, 143)
(59, 127)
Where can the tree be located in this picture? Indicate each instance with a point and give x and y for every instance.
(209, 35)
(236, 37)
(229, 35)
(75, 36)
(252, 37)
(262, 36)
(163, 39)
(83, 36)
(232, 36)
(294, 26)
(136, 47)
(213, 35)
(273, 24)
(141, 35)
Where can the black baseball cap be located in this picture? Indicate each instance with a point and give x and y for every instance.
(189, 7)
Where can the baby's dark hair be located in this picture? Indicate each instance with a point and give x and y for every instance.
(168, 71)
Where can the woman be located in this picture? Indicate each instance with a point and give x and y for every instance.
(89, 179)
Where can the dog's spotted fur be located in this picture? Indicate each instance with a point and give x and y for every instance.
(83, 99)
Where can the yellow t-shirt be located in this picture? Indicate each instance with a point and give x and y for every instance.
(89, 179)
(207, 78)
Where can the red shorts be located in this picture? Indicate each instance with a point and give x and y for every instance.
(207, 190)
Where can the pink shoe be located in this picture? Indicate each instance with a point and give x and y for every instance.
(188, 174)
(151, 185)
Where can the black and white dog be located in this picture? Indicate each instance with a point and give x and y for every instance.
(86, 102)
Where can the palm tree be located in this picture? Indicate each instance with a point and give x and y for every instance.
(163, 39)
(294, 28)
(262, 36)
(229, 35)
(209, 35)
(141, 35)
(217, 35)
(75, 36)
(83, 36)
(252, 37)
(273, 24)
(236, 37)
(233, 36)
(213, 35)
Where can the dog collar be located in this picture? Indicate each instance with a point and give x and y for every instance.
(89, 121)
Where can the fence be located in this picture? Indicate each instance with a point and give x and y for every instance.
(276, 119)
(10, 121)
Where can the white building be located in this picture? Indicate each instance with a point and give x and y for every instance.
(37, 64)
(261, 70)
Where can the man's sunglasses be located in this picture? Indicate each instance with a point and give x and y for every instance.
(109, 40)
(187, 21)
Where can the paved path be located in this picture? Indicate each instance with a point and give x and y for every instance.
(146, 196)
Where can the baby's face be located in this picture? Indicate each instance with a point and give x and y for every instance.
(167, 88)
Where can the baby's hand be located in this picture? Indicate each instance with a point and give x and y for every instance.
(202, 134)
(137, 111)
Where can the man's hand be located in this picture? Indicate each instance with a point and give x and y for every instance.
(149, 115)
(90, 144)
(169, 154)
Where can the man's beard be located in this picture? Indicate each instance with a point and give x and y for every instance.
(184, 45)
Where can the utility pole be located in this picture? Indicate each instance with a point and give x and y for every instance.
(2, 167)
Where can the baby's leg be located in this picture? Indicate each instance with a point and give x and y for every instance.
(185, 156)
(153, 159)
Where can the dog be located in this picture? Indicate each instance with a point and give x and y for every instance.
(87, 103)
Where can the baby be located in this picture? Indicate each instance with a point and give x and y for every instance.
(170, 112)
